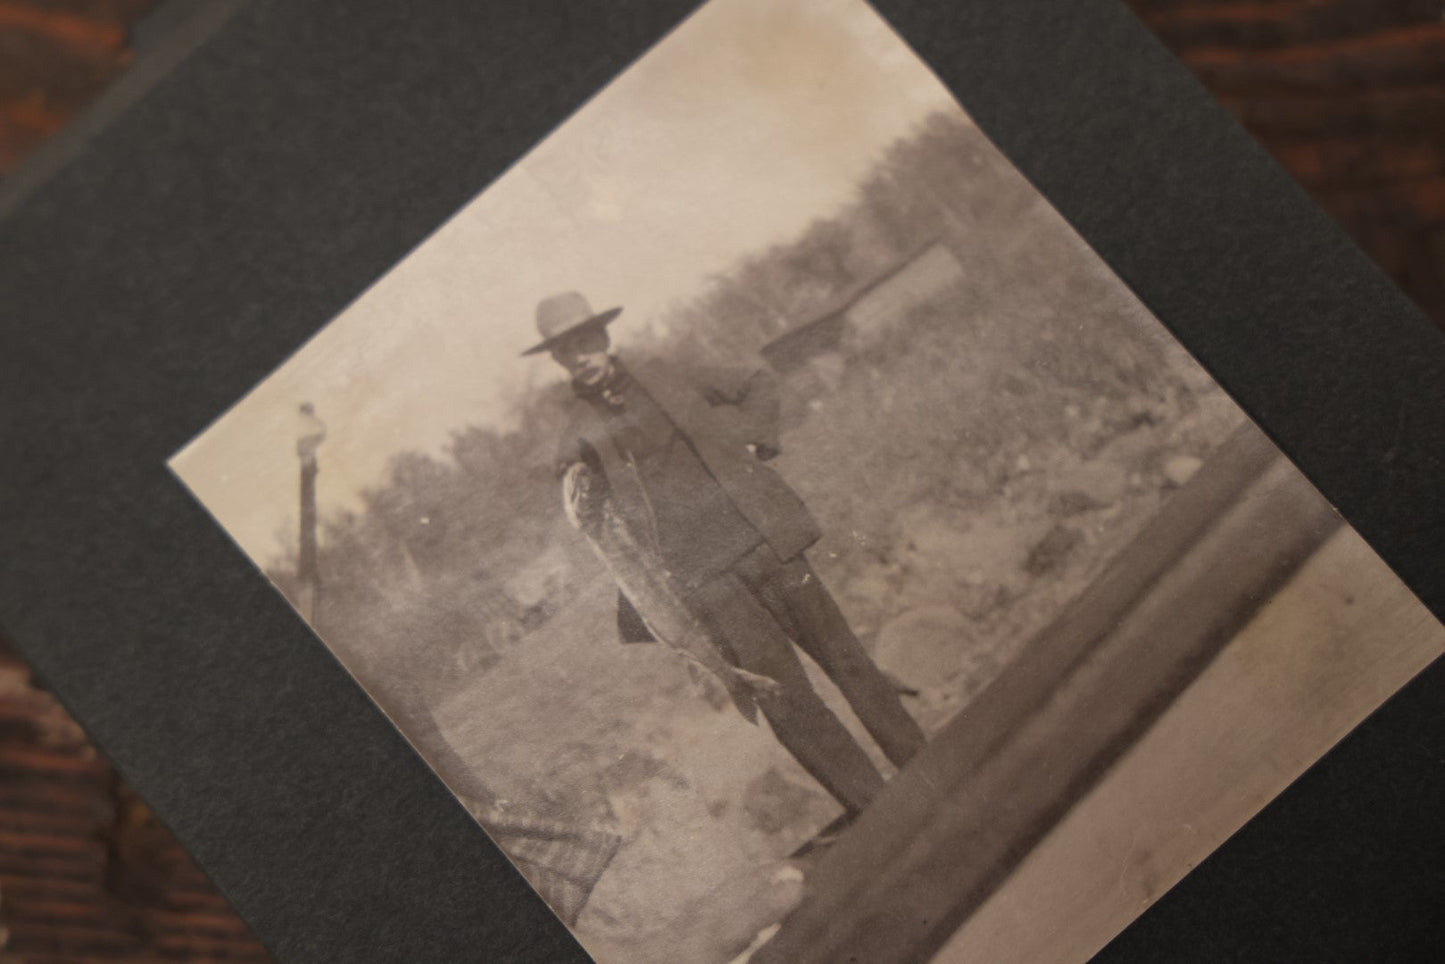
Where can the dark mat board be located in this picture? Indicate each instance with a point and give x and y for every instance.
(261, 184)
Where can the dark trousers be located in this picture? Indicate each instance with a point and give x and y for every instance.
(756, 611)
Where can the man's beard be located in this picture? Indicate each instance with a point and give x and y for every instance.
(609, 386)
(593, 378)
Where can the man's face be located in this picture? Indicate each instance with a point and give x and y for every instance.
(584, 355)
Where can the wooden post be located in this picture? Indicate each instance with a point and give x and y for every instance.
(308, 570)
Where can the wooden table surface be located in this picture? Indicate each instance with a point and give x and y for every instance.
(1348, 95)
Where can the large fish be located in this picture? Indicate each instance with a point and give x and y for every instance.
(640, 575)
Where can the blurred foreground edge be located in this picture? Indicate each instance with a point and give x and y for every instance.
(967, 810)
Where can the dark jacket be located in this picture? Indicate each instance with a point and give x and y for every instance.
(730, 417)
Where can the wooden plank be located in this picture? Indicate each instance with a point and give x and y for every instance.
(1417, 110)
(28, 790)
(1412, 56)
(45, 821)
(112, 941)
(34, 844)
(68, 766)
(64, 915)
(943, 836)
(70, 867)
(16, 889)
(1373, 163)
(76, 32)
(1264, 26)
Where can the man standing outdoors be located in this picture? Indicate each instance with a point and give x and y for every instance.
(682, 455)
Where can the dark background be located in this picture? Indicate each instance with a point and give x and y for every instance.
(1348, 95)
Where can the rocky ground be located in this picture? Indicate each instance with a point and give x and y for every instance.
(954, 592)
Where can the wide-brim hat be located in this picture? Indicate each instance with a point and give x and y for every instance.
(562, 315)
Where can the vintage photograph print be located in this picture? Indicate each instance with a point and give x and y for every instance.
(788, 539)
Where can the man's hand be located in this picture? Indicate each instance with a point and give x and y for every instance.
(709, 686)
(718, 690)
(755, 684)
(752, 394)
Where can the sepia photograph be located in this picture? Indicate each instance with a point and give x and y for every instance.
(790, 541)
